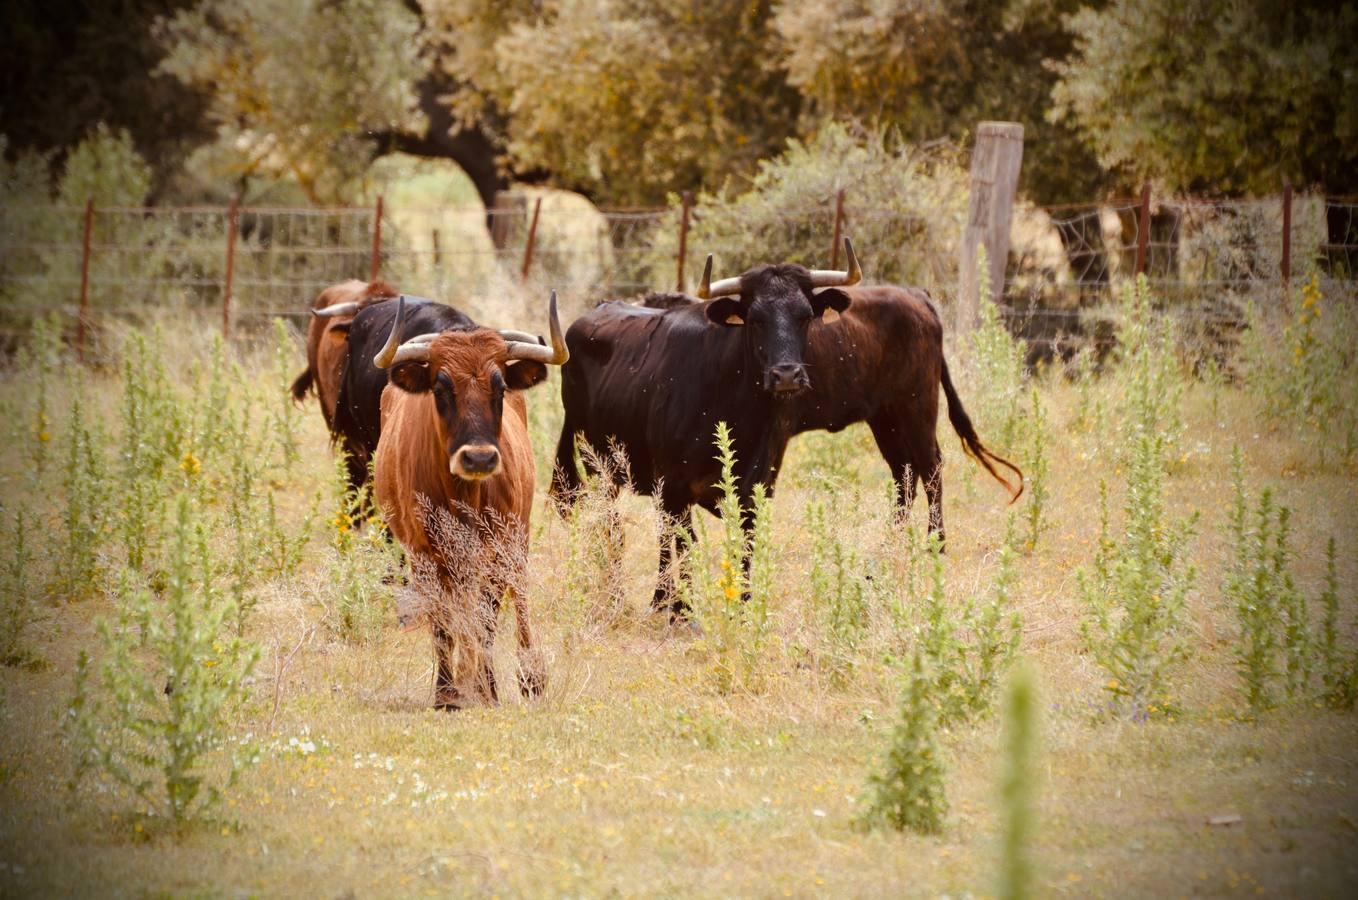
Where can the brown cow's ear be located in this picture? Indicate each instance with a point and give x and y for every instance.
(829, 303)
(726, 311)
(338, 332)
(522, 374)
(412, 377)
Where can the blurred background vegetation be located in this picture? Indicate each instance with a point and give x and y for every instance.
(632, 101)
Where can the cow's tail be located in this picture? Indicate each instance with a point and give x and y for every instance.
(303, 385)
(972, 445)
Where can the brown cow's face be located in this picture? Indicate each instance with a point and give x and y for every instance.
(468, 375)
(775, 309)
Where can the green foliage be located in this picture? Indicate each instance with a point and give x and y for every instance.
(1302, 368)
(996, 366)
(286, 415)
(16, 594)
(904, 209)
(839, 589)
(734, 615)
(362, 561)
(85, 511)
(300, 86)
(152, 713)
(1255, 98)
(967, 651)
(106, 168)
(1338, 671)
(633, 98)
(1017, 788)
(1154, 383)
(1135, 593)
(1037, 472)
(908, 792)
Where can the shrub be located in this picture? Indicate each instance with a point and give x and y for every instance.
(1154, 384)
(16, 601)
(1135, 593)
(839, 591)
(734, 617)
(1037, 471)
(908, 792)
(155, 710)
(897, 196)
(1017, 787)
(996, 366)
(85, 510)
(361, 600)
(1339, 672)
(285, 417)
(593, 576)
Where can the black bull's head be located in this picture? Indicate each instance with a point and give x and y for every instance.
(774, 306)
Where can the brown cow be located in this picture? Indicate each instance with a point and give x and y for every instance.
(327, 347)
(455, 457)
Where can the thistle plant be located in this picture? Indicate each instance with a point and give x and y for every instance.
(1339, 671)
(1037, 471)
(155, 708)
(735, 619)
(999, 368)
(285, 416)
(838, 593)
(83, 516)
(16, 600)
(1017, 787)
(908, 791)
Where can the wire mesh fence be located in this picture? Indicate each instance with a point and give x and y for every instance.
(1204, 258)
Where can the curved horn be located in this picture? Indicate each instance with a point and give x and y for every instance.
(387, 355)
(337, 309)
(510, 334)
(834, 278)
(709, 288)
(555, 355)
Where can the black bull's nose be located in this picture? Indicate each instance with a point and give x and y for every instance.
(786, 378)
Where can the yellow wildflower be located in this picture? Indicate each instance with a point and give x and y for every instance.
(190, 464)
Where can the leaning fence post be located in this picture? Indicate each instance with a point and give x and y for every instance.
(1143, 228)
(1287, 235)
(687, 198)
(232, 218)
(995, 164)
(839, 228)
(377, 241)
(532, 237)
(84, 281)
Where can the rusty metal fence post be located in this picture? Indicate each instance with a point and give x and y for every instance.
(1287, 235)
(839, 229)
(83, 315)
(1143, 229)
(232, 219)
(377, 241)
(532, 238)
(683, 238)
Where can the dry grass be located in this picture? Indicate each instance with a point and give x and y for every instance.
(634, 776)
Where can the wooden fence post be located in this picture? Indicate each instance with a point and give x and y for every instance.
(995, 164)
(687, 197)
(839, 229)
(232, 219)
(1143, 229)
(532, 237)
(1287, 235)
(84, 281)
(377, 241)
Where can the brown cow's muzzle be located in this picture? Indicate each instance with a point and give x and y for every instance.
(475, 462)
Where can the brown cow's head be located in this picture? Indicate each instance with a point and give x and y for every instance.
(774, 305)
(468, 373)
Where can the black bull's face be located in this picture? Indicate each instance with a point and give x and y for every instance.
(774, 311)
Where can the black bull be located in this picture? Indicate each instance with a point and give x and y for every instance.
(656, 381)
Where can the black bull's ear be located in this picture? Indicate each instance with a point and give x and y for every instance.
(726, 311)
(829, 303)
(522, 374)
(412, 377)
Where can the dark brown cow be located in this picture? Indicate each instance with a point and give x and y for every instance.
(455, 456)
(327, 340)
(779, 350)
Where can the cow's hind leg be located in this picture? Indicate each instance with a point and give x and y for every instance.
(912, 454)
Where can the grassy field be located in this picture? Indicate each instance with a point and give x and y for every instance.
(636, 773)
